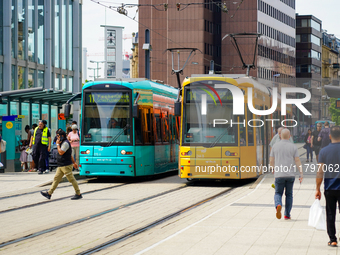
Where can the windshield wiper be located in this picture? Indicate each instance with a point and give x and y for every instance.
(117, 135)
(217, 140)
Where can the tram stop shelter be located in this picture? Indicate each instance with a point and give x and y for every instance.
(26, 107)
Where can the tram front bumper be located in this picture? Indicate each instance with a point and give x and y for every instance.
(107, 166)
(210, 168)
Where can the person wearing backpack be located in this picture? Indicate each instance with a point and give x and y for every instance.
(324, 135)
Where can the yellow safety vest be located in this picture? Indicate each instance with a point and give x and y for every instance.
(44, 138)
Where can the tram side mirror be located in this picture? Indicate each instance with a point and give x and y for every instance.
(177, 109)
(67, 110)
(135, 111)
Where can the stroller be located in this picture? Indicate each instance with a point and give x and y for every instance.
(52, 160)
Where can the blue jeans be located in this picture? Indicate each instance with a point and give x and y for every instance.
(281, 184)
(309, 151)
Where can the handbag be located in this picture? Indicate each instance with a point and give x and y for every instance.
(29, 150)
(305, 146)
(3, 144)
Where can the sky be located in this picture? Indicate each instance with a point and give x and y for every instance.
(95, 15)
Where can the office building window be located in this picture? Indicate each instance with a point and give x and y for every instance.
(56, 34)
(31, 31)
(70, 35)
(21, 77)
(31, 78)
(40, 82)
(41, 33)
(316, 25)
(21, 29)
(1, 26)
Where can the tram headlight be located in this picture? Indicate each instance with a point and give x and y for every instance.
(123, 152)
(188, 153)
(85, 152)
(228, 153)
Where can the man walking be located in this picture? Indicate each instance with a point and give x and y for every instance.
(41, 140)
(65, 163)
(329, 161)
(277, 138)
(324, 135)
(315, 144)
(283, 156)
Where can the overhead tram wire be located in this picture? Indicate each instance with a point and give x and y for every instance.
(119, 10)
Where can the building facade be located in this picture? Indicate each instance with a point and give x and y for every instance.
(40, 46)
(204, 26)
(275, 56)
(308, 64)
(330, 69)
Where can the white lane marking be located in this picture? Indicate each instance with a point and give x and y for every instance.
(195, 223)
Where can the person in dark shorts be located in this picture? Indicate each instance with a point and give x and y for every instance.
(315, 144)
(324, 135)
(41, 142)
(329, 161)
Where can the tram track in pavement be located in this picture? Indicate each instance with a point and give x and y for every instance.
(32, 192)
(58, 199)
(153, 224)
(90, 217)
(164, 175)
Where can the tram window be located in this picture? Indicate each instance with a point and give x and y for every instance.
(242, 132)
(158, 129)
(147, 126)
(165, 129)
(250, 129)
(177, 129)
(138, 129)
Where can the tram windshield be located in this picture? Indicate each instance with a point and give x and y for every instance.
(106, 118)
(204, 104)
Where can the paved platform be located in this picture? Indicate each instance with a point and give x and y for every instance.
(242, 222)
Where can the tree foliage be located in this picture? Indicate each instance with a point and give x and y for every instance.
(334, 111)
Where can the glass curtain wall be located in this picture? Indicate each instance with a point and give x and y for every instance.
(31, 31)
(64, 34)
(21, 29)
(56, 33)
(1, 26)
(70, 36)
(41, 34)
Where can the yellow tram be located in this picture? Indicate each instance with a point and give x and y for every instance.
(220, 137)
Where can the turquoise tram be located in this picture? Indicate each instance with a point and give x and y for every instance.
(128, 129)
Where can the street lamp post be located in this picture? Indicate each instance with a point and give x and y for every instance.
(97, 62)
(94, 72)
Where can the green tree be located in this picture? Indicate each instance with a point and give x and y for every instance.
(334, 111)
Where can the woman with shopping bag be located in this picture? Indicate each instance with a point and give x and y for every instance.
(329, 162)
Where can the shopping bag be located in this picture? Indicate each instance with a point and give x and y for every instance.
(1, 165)
(317, 216)
(29, 150)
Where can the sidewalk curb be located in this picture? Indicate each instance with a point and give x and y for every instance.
(253, 186)
(64, 179)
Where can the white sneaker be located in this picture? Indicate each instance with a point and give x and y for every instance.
(47, 171)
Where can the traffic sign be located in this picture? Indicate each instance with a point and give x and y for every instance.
(61, 116)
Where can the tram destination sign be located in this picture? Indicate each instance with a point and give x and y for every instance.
(106, 98)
